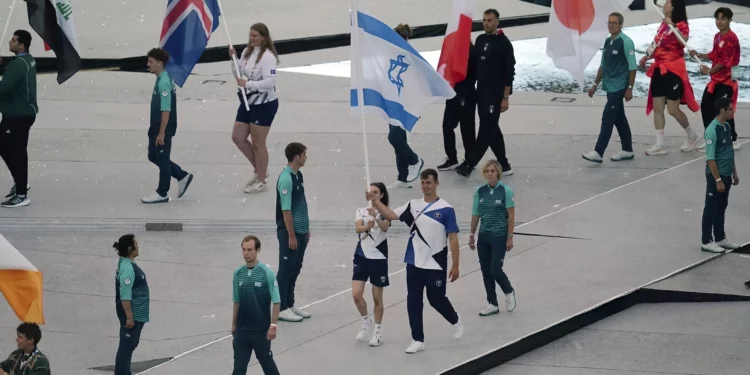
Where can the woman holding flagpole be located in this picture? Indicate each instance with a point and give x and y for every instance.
(670, 85)
(408, 163)
(258, 78)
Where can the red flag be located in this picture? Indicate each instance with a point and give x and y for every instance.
(454, 56)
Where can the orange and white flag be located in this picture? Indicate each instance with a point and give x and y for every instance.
(577, 30)
(20, 283)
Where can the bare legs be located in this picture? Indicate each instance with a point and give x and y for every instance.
(259, 134)
(673, 108)
(358, 290)
(251, 141)
(240, 135)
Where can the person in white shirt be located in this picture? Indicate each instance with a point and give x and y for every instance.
(371, 262)
(258, 79)
(433, 224)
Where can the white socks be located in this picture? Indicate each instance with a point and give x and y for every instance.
(690, 132)
(660, 137)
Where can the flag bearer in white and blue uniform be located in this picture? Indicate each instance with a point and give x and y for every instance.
(371, 263)
(433, 224)
(258, 79)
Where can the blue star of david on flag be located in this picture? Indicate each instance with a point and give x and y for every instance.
(399, 63)
(380, 58)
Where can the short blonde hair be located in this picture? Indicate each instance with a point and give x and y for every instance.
(493, 163)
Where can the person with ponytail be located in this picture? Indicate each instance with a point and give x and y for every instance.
(258, 80)
(670, 84)
(131, 301)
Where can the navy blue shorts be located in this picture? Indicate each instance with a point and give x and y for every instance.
(259, 114)
(376, 270)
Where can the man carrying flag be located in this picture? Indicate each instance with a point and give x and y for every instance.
(456, 66)
(54, 23)
(495, 67)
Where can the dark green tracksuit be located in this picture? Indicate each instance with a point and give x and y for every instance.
(290, 196)
(19, 108)
(491, 205)
(255, 291)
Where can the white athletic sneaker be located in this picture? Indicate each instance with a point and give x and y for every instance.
(690, 143)
(155, 198)
(364, 329)
(288, 316)
(415, 170)
(701, 147)
(256, 188)
(488, 310)
(622, 155)
(726, 244)
(592, 156)
(510, 301)
(301, 313)
(399, 184)
(184, 184)
(254, 179)
(736, 145)
(656, 150)
(377, 338)
(458, 329)
(712, 248)
(416, 346)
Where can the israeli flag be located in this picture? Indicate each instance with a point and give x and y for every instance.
(397, 82)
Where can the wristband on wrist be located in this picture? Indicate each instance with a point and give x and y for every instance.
(273, 325)
(718, 179)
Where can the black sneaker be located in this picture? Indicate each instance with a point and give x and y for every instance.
(507, 170)
(17, 201)
(448, 165)
(464, 170)
(13, 191)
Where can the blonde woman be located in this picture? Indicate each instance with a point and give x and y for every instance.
(494, 205)
(258, 79)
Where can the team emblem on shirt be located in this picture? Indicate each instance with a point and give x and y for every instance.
(721, 44)
(284, 191)
(127, 281)
(276, 283)
(709, 142)
(164, 93)
(258, 284)
(437, 215)
(632, 52)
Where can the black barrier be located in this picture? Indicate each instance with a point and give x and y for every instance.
(283, 47)
(511, 351)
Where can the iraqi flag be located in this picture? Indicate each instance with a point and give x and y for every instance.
(20, 283)
(577, 30)
(54, 23)
(454, 56)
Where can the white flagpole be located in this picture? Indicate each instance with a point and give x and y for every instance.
(234, 57)
(677, 34)
(7, 21)
(357, 66)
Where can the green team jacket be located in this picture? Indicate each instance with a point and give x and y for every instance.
(18, 88)
(38, 364)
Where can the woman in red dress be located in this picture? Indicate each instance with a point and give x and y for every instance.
(670, 85)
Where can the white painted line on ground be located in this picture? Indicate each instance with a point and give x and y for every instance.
(403, 269)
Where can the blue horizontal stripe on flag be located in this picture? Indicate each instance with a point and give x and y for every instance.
(393, 109)
(377, 28)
